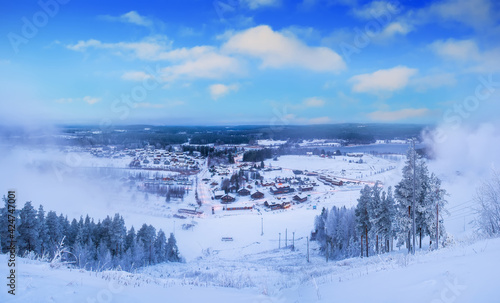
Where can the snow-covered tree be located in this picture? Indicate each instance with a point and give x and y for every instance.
(362, 212)
(172, 250)
(488, 206)
(386, 223)
(118, 232)
(28, 239)
(43, 244)
(404, 196)
(54, 232)
(161, 247)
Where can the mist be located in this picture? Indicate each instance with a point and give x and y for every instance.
(463, 158)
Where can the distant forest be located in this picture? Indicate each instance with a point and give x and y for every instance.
(136, 136)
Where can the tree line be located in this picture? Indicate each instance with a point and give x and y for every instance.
(381, 217)
(86, 244)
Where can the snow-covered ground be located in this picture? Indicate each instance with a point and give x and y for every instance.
(461, 273)
(251, 268)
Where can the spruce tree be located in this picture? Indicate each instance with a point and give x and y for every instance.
(363, 216)
(28, 231)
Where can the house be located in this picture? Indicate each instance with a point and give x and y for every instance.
(306, 187)
(281, 188)
(156, 161)
(300, 198)
(243, 192)
(257, 195)
(337, 182)
(227, 199)
(267, 183)
(219, 194)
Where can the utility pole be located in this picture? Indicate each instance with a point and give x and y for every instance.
(279, 241)
(414, 228)
(326, 236)
(437, 225)
(293, 240)
(262, 226)
(307, 239)
(286, 238)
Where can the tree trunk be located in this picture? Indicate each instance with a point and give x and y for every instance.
(377, 244)
(361, 246)
(366, 234)
(420, 241)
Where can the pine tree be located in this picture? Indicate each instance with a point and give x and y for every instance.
(434, 202)
(172, 250)
(161, 247)
(386, 222)
(363, 216)
(118, 232)
(43, 244)
(54, 233)
(147, 235)
(28, 231)
(404, 196)
(375, 212)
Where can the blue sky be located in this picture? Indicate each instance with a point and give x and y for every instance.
(249, 61)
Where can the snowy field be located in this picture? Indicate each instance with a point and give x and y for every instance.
(462, 273)
(251, 268)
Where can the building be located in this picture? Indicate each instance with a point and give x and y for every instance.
(281, 188)
(306, 187)
(243, 192)
(227, 199)
(257, 195)
(300, 198)
(219, 194)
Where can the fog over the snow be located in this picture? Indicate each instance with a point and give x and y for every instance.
(464, 157)
(44, 174)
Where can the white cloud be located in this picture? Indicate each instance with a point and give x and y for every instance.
(391, 79)
(395, 28)
(433, 81)
(463, 50)
(220, 90)
(150, 48)
(376, 9)
(255, 4)
(277, 50)
(91, 100)
(468, 52)
(136, 76)
(209, 66)
(320, 120)
(196, 62)
(475, 13)
(130, 17)
(402, 114)
(149, 105)
(314, 102)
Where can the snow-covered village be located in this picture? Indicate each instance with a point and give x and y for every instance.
(250, 151)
